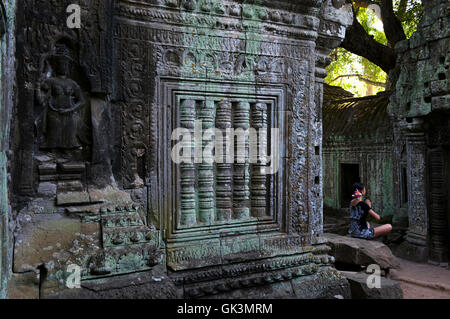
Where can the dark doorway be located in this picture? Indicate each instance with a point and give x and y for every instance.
(349, 175)
(404, 181)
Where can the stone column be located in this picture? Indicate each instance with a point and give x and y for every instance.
(188, 201)
(417, 241)
(206, 169)
(259, 177)
(224, 177)
(336, 17)
(241, 176)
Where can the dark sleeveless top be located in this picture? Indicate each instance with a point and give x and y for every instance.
(358, 216)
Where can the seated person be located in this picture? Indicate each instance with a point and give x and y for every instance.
(359, 210)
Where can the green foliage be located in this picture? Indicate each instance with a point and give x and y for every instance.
(344, 68)
(409, 13)
(372, 24)
(345, 63)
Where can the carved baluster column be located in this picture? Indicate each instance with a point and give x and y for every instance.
(188, 202)
(258, 187)
(241, 176)
(224, 175)
(205, 169)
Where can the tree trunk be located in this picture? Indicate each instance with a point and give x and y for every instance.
(392, 26)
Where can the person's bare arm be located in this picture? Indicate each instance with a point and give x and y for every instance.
(374, 215)
(371, 211)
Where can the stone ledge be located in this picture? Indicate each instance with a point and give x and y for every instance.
(355, 251)
(153, 284)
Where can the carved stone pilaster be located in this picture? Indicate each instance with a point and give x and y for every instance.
(417, 199)
(336, 16)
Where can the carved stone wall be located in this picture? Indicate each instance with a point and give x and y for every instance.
(134, 73)
(420, 106)
(209, 54)
(358, 131)
(376, 172)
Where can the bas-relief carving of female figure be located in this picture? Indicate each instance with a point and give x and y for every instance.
(62, 98)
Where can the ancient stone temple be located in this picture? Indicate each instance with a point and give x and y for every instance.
(406, 161)
(361, 144)
(94, 191)
(420, 109)
(358, 145)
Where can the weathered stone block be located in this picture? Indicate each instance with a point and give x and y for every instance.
(72, 198)
(70, 186)
(411, 252)
(389, 289)
(110, 195)
(362, 252)
(24, 286)
(326, 284)
(194, 256)
(440, 103)
(47, 189)
(50, 239)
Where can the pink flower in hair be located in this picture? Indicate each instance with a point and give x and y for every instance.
(356, 194)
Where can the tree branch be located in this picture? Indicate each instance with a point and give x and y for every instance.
(361, 78)
(359, 42)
